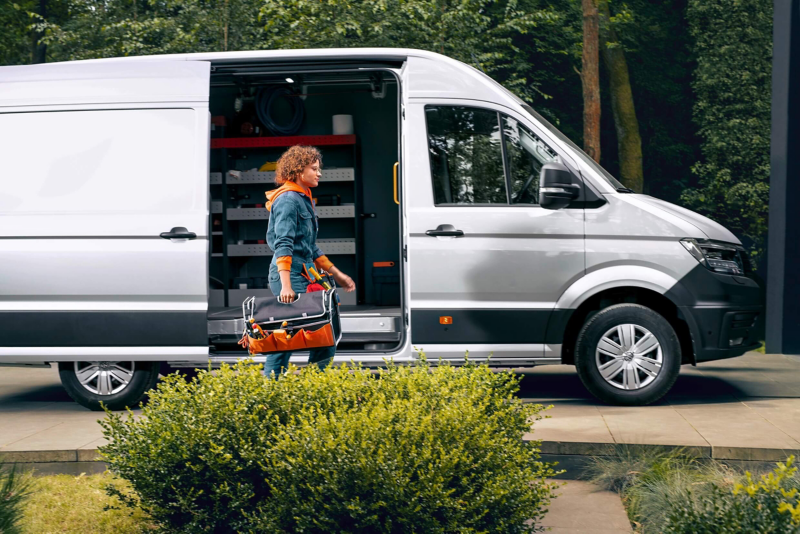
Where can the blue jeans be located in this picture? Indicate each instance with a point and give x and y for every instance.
(279, 361)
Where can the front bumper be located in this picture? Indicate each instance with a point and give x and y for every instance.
(725, 313)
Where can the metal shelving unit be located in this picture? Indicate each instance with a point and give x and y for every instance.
(226, 182)
(268, 177)
(328, 246)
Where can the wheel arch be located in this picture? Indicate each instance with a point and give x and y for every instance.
(581, 302)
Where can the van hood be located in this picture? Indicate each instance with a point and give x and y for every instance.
(711, 229)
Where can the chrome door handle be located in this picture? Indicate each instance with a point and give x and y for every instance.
(179, 232)
(445, 230)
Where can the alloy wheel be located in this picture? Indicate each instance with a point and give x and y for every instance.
(629, 356)
(104, 378)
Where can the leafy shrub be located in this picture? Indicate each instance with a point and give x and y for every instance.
(14, 489)
(765, 506)
(409, 449)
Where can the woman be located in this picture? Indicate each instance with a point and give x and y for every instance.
(292, 235)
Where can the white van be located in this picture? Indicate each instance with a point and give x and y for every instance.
(132, 224)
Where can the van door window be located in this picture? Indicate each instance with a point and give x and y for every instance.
(525, 155)
(466, 155)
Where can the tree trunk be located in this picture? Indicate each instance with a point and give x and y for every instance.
(39, 50)
(628, 139)
(590, 79)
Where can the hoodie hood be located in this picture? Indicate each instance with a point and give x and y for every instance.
(285, 188)
(711, 229)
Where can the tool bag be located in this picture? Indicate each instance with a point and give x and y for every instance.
(310, 322)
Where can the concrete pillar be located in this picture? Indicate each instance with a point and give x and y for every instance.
(783, 271)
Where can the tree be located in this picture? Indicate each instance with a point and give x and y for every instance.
(590, 79)
(481, 33)
(733, 41)
(113, 28)
(629, 141)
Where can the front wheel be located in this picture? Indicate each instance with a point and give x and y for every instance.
(628, 354)
(117, 384)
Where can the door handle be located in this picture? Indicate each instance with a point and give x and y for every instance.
(394, 171)
(445, 230)
(179, 232)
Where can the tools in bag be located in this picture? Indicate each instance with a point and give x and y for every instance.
(310, 322)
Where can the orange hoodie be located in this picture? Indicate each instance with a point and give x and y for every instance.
(285, 262)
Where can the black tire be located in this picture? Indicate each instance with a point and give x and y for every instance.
(145, 377)
(588, 357)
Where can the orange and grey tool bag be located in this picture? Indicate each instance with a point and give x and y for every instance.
(310, 322)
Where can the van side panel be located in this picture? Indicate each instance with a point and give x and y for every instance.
(87, 190)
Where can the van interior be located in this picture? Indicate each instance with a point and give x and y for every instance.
(351, 114)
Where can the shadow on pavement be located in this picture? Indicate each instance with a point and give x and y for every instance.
(54, 393)
(562, 384)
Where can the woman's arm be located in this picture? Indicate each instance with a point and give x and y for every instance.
(284, 218)
(342, 279)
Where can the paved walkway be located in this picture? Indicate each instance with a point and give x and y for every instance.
(745, 408)
(583, 508)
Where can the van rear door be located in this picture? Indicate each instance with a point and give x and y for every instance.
(104, 211)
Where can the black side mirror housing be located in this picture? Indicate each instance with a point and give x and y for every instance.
(557, 186)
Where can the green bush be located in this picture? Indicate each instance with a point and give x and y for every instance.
(769, 505)
(408, 449)
(14, 489)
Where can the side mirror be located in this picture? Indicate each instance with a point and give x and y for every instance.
(557, 187)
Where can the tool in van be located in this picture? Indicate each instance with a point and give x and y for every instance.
(319, 279)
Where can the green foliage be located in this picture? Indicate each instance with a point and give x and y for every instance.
(114, 28)
(408, 449)
(478, 32)
(733, 42)
(14, 490)
(769, 505)
(671, 491)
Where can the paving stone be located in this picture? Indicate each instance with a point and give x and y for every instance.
(583, 507)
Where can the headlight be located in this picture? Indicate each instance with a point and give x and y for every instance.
(718, 257)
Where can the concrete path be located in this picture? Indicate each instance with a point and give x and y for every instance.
(745, 408)
(583, 508)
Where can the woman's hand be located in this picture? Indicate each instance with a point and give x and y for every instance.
(343, 280)
(287, 295)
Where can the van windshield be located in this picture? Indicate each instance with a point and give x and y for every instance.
(555, 131)
(581, 154)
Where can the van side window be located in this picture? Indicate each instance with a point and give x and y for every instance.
(466, 155)
(525, 156)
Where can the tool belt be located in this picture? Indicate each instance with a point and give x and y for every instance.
(310, 322)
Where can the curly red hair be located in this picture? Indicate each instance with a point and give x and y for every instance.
(292, 162)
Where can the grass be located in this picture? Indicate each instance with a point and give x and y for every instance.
(652, 482)
(67, 504)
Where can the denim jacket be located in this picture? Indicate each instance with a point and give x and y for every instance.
(292, 232)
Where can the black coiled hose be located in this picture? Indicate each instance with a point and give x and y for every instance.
(264, 100)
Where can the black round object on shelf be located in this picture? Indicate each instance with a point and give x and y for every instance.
(266, 98)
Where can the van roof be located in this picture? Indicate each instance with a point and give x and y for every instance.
(391, 54)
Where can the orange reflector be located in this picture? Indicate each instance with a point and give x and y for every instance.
(445, 320)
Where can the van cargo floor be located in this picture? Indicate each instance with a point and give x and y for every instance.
(364, 323)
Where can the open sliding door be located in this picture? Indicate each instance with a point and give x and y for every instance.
(104, 211)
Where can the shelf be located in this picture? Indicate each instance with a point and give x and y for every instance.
(325, 212)
(262, 142)
(237, 296)
(215, 178)
(216, 206)
(216, 254)
(268, 177)
(328, 246)
(216, 233)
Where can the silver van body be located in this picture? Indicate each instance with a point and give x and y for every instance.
(102, 157)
